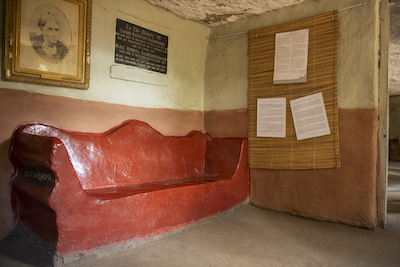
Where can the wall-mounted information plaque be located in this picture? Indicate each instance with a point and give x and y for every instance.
(311, 137)
(139, 47)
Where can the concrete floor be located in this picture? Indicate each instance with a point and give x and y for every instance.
(247, 236)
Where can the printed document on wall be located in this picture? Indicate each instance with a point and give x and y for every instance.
(309, 116)
(291, 57)
(271, 117)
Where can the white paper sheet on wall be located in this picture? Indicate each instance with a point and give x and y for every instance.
(309, 116)
(291, 57)
(271, 117)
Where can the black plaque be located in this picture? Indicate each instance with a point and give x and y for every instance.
(40, 178)
(140, 47)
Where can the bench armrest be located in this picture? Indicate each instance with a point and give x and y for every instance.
(222, 157)
(38, 162)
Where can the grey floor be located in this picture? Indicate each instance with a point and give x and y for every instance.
(249, 236)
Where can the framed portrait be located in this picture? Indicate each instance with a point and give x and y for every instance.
(47, 42)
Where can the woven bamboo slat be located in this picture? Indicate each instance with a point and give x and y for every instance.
(289, 153)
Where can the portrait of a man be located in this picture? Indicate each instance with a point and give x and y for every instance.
(50, 27)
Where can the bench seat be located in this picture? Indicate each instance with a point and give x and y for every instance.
(123, 191)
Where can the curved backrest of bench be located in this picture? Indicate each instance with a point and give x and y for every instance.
(131, 153)
(222, 157)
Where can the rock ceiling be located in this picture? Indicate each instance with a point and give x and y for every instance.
(216, 12)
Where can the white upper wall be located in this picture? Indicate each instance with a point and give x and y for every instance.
(227, 58)
(181, 88)
(212, 74)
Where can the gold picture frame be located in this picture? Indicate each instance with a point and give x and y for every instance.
(47, 42)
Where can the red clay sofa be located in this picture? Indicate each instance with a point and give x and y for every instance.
(81, 191)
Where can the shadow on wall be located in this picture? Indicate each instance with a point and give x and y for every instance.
(5, 190)
(16, 243)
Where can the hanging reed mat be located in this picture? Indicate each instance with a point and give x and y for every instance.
(288, 153)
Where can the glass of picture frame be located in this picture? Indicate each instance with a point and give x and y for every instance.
(47, 42)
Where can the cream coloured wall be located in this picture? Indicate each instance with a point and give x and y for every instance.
(171, 103)
(355, 193)
(226, 65)
(181, 88)
(202, 74)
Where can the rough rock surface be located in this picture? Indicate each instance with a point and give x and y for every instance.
(394, 50)
(217, 12)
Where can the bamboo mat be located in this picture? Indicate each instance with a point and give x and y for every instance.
(288, 153)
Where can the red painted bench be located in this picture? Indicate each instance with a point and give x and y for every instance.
(80, 191)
